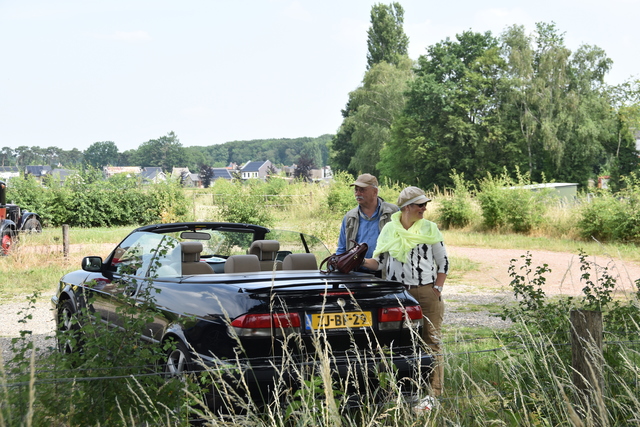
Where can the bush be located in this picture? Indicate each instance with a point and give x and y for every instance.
(84, 201)
(237, 203)
(506, 203)
(456, 210)
(613, 217)
(340, 198)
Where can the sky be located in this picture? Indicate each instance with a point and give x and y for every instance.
(75, 72)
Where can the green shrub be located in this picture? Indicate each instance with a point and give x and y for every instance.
(236, 203)
(507, 203)
(84, 201)
(340, 198)
(456, 210)
(613, 217)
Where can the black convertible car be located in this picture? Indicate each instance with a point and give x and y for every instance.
(252, 301)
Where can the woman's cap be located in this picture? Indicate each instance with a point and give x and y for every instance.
(412, 195)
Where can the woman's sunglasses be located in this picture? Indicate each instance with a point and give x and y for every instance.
(420, 205)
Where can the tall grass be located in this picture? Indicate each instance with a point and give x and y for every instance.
(510, 378)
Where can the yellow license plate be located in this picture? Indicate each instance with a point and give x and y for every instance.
(359, 319)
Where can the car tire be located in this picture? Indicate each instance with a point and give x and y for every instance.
(32, 226)
(6, 242)
(68, 328)
(178, 361)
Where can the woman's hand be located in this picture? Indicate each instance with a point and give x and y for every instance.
(371, 264)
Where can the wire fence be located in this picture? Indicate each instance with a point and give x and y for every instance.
(26, 379)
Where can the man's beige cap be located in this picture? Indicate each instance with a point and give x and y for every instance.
(366, 180)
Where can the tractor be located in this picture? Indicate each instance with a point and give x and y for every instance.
(14, 221)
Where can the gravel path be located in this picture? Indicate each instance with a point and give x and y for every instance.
(464, 294)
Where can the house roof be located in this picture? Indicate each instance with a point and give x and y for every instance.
(221, 173)
(155, 169)
(151, 173)
(63, 174)
(13, 169)
(253, 166)
(39, 170)
(112, 170)
(177, 172)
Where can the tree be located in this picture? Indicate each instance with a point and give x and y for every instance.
(378, 102)
(101, 154)
(165, 152)
(561, 111)
(7, 156)
(206, 175)
(303, 171)
(386, 40)
(452, 118)
(342, 148)
(357, 144)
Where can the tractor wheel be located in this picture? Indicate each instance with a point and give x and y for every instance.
(5, 243)
(32, 226)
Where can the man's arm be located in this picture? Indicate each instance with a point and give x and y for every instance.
(342, 240)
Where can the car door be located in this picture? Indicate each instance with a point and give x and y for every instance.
(131, 267)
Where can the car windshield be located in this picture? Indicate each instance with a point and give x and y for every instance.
(146, 253)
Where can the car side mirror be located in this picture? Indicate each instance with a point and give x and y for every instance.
(92, 263)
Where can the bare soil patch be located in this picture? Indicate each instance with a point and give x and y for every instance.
(489, 284)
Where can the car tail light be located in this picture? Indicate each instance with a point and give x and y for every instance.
(264, 325)
(392, 317)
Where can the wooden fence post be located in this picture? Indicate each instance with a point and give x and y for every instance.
(65, 240)
(586, 356)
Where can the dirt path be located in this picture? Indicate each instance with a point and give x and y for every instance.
(564, 278)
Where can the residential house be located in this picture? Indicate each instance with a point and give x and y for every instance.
(7, 172)
(110, 171)
(221, 173)
(176, 173)
(194, 180)
(61, 175)
(323, 174)
(38, 172)
(153, 174)
(255, 170)
(289, 171)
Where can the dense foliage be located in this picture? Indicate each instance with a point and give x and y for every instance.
(479, 103)
(86, 200)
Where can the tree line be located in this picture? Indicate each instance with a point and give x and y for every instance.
(479, 104)
(167, 152)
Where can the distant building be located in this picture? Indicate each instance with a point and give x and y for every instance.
(561, 189)
(7, 172)
(61, 175)
(323, 174)
(153, 174)
(176, 173)
(221, 173)
(110, 171)
(38, 172)
(255, 170)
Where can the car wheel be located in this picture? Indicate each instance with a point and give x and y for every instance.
(179, 361)
(32, 226)
(68, 328)
(6, 242)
